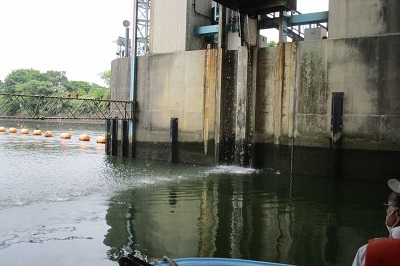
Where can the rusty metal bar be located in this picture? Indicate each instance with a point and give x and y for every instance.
(52, 107)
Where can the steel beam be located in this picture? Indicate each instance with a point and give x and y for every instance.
(207, 30)
(310, 18)
(295, 20)
(269, 23)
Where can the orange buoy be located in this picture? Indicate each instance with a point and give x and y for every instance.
(24, 131)
(48, 134)
(37, 132)
(84, 137)
(12, 130)
(65, 136)
(2, 129)
(101, 139)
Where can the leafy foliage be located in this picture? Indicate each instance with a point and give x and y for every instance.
(106, 77)
(50, 83)
(272, 43)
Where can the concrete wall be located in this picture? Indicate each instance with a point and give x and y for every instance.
(365, 69)
(174, 85)
(120, 78)
(173, 23)
(168, 26)
(177, 85)
(294, 86)
(350, 18)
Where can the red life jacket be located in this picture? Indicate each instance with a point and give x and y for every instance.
(383, 252)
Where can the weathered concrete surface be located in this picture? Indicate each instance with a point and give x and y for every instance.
(284, 100)
(173, 22)
(171, 85)
(120, 78)
(365, 69)
(275, 93)
(120, 84)
(312, 115)
(178, 85)
(242, 107)
(168, 26)
(350, 18)
(227, 105)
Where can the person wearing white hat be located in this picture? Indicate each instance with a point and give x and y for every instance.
(384, 251)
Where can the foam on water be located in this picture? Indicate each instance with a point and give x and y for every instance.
(231, 169)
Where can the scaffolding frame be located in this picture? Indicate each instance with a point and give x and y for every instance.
(142, 26)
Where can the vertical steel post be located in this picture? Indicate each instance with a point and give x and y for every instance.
(174, 139)
(127, 42)
(132, 92)
(125, 139)
(108, 136)
(114, 138)
(337, 115)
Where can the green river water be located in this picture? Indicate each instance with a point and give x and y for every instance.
(64, 202)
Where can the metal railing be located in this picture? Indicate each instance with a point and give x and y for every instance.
(23, 106)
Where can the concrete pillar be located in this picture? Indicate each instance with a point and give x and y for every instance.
(241, 143)
(246, 69)
(278, 92)
(120, 90)
(282, 27)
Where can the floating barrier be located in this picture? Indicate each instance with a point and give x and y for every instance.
(101, 139)
(2, 129)
(48, 134)
(37, 132)
(12, 130)
(24, 131)
(84, 137)
(65, 135)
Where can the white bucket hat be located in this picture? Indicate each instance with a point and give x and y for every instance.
(394, 184)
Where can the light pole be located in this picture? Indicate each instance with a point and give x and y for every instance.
(126, 25)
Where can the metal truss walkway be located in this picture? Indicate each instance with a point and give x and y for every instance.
(49, 107)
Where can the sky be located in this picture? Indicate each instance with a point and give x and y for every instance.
(76, 36)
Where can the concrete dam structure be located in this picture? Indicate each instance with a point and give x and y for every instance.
(328, 105)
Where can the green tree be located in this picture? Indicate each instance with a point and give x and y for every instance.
(106, 77)
(100, 93)
(81, 87)
(21, 76)
(35, 87)
(31, 87)
(272, 43)
(58, 79)
(50, 83)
